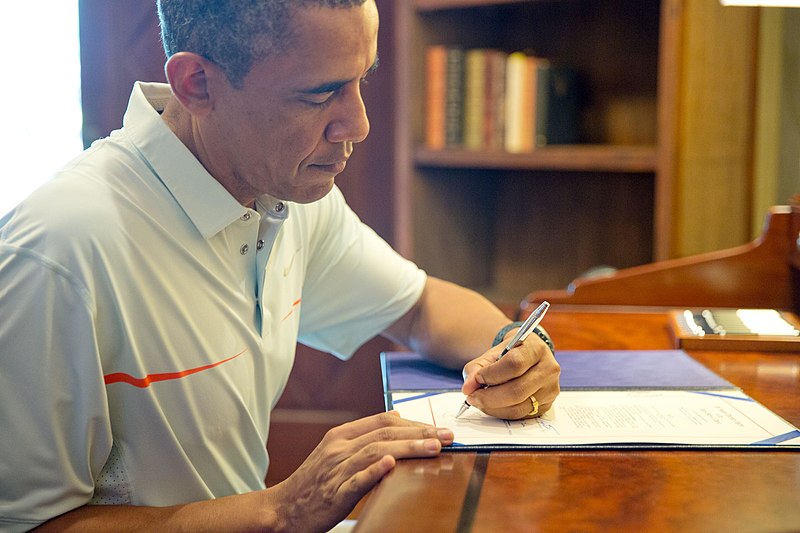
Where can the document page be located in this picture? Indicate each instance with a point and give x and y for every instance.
(713, 417)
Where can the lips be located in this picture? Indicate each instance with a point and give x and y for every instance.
(335, 168)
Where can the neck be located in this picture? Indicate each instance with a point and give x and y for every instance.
(185, 126)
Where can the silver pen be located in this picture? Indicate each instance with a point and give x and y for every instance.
(522, 333)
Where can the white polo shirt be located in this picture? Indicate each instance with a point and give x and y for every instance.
(148, 323)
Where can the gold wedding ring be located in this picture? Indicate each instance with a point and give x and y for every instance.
(535, 404)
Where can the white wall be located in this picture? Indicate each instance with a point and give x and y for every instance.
(40, 94)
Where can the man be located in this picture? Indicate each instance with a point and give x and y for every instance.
(152, 293)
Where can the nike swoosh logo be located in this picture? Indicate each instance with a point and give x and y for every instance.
(122, 377)
(288, 267)
(291, 311)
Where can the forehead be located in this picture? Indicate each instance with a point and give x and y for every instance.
(325, 43)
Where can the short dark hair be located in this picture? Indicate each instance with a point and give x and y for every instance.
(234, 34)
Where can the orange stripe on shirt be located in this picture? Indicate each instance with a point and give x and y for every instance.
(294, 304)
(122, 377)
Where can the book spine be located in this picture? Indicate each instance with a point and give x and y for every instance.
(435, 101)
(542, 102)
(561, 121)
(528, 104)
(474, 97)
(520, 102)
(515, 88)
(494, 102)
(486, 99)
(454, 111)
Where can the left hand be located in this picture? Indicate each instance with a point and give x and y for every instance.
(348, 463)
(507, 388)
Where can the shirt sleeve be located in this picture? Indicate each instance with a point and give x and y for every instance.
(55, 433)
(356, 284)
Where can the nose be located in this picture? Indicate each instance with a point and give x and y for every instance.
(350, 123)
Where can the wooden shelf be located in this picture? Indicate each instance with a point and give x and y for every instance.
(594, 158)
(507, 224)
(433, 5)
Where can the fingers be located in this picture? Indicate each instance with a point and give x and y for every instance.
(513, 365)
(474, 373)
(348, 462)
(354, 488)
(362, 461)
(356, 445)
(361, 426)
(529, 370)
(390, 427)
(524, 409)
(402, 439)
(398, 438)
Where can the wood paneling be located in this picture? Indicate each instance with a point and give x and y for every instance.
(716, 106)
(120, 44)
(756, 274)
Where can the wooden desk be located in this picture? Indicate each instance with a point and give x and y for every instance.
(609, 490)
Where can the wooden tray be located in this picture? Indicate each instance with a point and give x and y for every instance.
(686, 339)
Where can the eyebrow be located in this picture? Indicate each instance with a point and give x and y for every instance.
(334, 86)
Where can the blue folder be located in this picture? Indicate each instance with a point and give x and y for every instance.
(580, 370)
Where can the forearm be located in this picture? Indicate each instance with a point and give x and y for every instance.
(245, 512)
(450, 324)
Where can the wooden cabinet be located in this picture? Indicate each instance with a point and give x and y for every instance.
(507, 224)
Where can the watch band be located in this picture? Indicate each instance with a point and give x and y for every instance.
(503, 332)
(540, 331)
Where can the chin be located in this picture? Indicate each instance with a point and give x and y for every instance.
(312, 194)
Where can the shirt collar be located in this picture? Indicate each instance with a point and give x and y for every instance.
(208, 205)
(272, 207)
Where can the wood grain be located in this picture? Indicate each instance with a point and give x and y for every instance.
(595, 490)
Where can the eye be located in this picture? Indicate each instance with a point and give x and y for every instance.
(320, 100)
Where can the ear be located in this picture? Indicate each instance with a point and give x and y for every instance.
(188, 75)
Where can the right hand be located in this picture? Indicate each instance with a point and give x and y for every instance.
(350, 460)
(506, 388)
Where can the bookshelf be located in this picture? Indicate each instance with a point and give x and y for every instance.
(506, 224)
(663, 167)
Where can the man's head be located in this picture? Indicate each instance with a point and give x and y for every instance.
(234, 34)
(285, 121)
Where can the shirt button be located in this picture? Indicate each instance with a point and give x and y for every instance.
(245, 217)
(243, 249)
(260, 244)
(279, 207)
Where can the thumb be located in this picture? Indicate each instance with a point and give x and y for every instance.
(472, 380)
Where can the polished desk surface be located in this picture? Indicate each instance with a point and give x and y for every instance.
(591, 490)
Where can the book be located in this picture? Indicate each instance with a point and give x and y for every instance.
(454, 98)
(435, 99)
(519, 101)
(557, 104)
(474, 98)
(494, 96)
(487, 99)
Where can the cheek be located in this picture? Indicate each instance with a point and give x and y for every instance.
(281, 136)
(299, 140)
